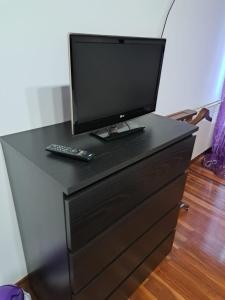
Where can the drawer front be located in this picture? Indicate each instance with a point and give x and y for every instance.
(92, 210)
(88, 262)
(128, 287)
(110, 278)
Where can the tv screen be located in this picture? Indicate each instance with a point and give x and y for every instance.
(113, 79)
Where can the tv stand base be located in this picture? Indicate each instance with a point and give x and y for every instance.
(117, 131)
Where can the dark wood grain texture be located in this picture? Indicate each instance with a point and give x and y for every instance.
(111, 243)
(72, 175)
(195, 268)
(40, 212)
(107, 201)
(64, 205)
(112, 277)
(143, 270)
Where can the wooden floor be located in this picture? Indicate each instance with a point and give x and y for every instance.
(195, 269)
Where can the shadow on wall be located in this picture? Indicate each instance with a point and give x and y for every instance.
(48, 105)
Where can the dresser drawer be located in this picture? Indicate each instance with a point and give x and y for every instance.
(111, 277)
(95, 256)
(91, 211)
(130, 284)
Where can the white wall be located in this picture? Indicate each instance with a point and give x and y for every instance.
(34, 70)
(34, 56)
(194, 64)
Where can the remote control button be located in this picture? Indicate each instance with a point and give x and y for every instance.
(70, 152)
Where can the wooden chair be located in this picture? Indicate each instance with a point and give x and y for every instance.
(191, 117)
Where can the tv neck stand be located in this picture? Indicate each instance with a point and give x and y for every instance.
(117, 131)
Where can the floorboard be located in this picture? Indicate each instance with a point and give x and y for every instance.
(195, 268)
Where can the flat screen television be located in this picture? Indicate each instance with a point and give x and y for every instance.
(113, 79)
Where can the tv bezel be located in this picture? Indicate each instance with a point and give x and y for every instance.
(78, 128)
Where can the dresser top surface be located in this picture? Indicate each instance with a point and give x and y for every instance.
(73, 175)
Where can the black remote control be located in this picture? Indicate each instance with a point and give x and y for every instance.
(70, 152)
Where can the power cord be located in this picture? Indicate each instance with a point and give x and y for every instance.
(128, 125)
(164, 26)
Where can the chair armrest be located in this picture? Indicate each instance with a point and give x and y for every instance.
(184, 115)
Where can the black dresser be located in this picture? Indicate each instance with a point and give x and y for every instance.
(96, 230)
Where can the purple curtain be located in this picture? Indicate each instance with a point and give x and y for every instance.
(11, 292)
(215, 160)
